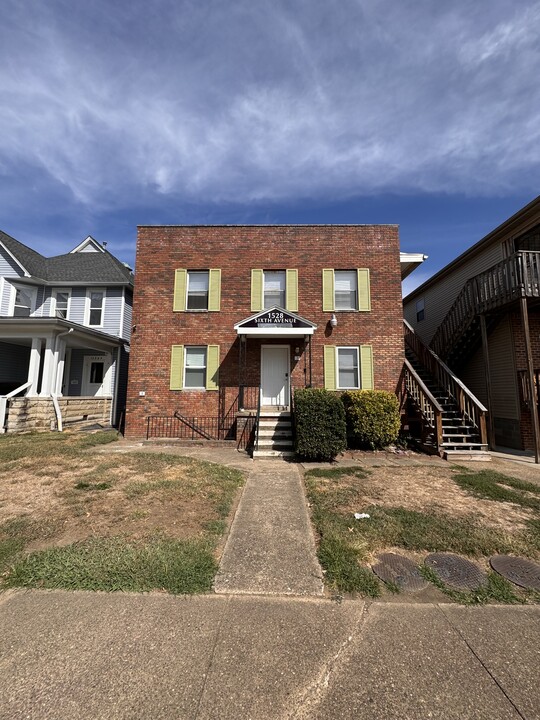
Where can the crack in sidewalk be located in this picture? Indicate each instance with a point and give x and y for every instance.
(482, 663)
(315, 691)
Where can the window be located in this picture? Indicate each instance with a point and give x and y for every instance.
(25, 301)
(96, 303)
(420, 310)
(197, 290)
(195, 367)
(347, 363)
(96, 372)
(345, 288)
(60, 303)
(274, 288)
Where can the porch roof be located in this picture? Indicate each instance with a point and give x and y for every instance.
(21, 330)
(275, 322)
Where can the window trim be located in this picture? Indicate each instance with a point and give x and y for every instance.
(192, 272)
(29, 288)
(358, 374)
(284, 274)
(354, 272)
(53, 301)
(88, 308)
(198, 367)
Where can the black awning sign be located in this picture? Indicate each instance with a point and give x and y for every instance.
(276, 319)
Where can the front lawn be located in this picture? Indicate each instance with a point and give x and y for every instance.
(77, 516)
(417, 510)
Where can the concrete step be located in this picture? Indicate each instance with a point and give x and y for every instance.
(271, 432)
(273, 443)
(474, 455)
(274, 454)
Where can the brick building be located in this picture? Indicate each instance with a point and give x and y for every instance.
(225, 315)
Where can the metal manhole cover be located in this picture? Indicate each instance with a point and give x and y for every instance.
(456, 571)
(520, 571)
(399, 570)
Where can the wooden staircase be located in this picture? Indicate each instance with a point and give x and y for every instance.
(460, 438)
(453, 420)
(274, 435)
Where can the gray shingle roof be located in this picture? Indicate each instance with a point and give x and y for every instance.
(90, 267)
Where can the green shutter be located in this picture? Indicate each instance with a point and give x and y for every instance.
(214, 290)
(291, 294)
(328, 290)
(180, 282)
(212, 367)
(257, 281)
(366, 367)
(330, 367)
(177, 367)
(364, 292)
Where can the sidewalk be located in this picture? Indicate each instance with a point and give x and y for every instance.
(271, 548)
(94, 656)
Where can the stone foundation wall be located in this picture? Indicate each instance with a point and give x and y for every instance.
(34, 413)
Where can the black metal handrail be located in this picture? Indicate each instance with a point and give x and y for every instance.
(258, 419)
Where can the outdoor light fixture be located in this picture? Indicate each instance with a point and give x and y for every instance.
(333, 321)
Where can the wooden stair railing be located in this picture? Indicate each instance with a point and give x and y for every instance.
(516, 276)
(470, 407)
(411, 386)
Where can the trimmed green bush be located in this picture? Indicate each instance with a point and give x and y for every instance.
(321, 431)
(373, 418)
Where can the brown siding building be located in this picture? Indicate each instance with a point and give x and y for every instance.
(227, 316)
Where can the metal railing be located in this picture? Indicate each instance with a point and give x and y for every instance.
(186, 428)
(516, 276)
(471, 409)
(257, 421)
(247, 437)
(248, 397)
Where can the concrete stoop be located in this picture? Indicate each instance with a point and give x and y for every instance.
(274, 437)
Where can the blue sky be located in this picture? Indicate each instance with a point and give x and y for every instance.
(415, 112)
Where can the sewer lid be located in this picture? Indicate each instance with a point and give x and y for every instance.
(401, 571)
(520, 571)
(456, 571)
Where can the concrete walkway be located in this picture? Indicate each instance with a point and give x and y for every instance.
(98, 656)
(271, 549)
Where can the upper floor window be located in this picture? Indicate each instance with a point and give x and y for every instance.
(420, 310)
(346, 290)
(60, 303)
(96, 305)
(197, 290)
(25, 301)
(274, 288)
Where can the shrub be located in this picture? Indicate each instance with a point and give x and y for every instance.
(321, 431)
(373, 418)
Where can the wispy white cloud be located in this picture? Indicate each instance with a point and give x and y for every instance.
(271, 100)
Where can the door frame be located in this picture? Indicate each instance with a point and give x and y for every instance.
(288, 385)
(105, 389)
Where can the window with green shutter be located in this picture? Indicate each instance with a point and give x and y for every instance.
(212, 367)
(257, 281)
(345, 290)
(291, 302)
(177, 367)
(197, 290)
(330, 367)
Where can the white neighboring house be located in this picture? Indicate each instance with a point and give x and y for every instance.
(65, 325)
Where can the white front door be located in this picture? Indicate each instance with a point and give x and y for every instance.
(96, 375)
(275, 367)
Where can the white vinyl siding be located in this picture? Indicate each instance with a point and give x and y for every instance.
(8, 266)
(112, 317)
(128, 314)
(78, 305)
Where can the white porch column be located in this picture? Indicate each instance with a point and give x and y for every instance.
(47, 378)
(60, 364)
(33, 366)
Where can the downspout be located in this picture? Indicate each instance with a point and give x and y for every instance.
(54, 394)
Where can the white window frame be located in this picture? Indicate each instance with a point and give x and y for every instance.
(28, 288)
(88, 308)
(352, 387)
(193, 272)
(198, 367)
(284, 274)
(54, 294)
(349, 309)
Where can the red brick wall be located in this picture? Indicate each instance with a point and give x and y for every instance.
(236, 250)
